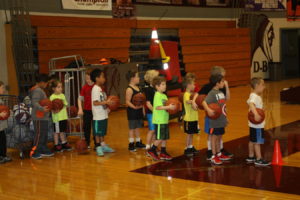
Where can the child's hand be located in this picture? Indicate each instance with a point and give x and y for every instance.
(80, 112)
(108, 110)
(171, 107)
(210, 112)
(226, 83)
(194, 106)
(108, 101)
(257, 117)
(55, 111)
(46, 109)
(3, 114)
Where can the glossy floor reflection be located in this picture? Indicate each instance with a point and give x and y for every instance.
(237, 172)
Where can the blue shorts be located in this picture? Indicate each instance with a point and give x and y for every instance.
(100, 127)
(206, 125)
(257, 135)
(150, 124)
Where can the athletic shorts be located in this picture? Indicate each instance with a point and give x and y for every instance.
(100, 127)
(257, 135)
(206, 125)
(191, 127)
(162, 131)
(150, 124)
(60, 127)
(216, 131)
(134, 124)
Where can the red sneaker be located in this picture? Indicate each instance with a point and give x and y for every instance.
(153, 155)
(165, 156)
(215, 160)
(224, 157)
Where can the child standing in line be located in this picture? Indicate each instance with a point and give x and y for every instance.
(150, 92)
(135, 114)
(256, 131)
(3, 125)
(86, 110)
(190, 117)
(100, 112)
(59, 117)
(160, 120)
(216, 126)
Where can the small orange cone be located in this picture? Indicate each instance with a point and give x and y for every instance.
(277, 158)
(277, 174)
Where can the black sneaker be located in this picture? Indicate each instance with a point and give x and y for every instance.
(209, 154)
(66, 147)
(140, 145)
(262, 162)
(131, 147)
(188, 152)
(226, 153)
(2, 161)
(7, 159)
(195, 151)
(250, 159)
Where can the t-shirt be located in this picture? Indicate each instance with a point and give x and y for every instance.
(208, 87)
(257, 100)
(190, 114)
(36, 94)
(160, 116)
(149, 92)
(86, 94)
(99, 112)
(216, 96)
(3, 123)
(62, 114)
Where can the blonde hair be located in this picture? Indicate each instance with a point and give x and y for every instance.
(88, 71)
(216, 70)
(255, 81)
(187, 80)
(150, 75)
(190, 75)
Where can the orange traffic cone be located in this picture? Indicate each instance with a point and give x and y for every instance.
(277, 158)
(277, 174)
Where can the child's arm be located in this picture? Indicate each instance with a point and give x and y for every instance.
(149, 105)
(252, 107)
(129, 94)
(194, 105)
(227, 90)
(3, 114)
(102, 103)
(79, 101)
(209, 111)
(169, 107)
(35, 102)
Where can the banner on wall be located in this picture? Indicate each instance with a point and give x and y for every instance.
(265, 5)
(293, 10)
(87, 4)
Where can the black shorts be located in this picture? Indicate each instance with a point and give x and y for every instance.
(191, 127)
(257, 135)
(60, 127)
(162, 131)
(216, 131)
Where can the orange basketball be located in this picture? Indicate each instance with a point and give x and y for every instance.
(199, 100)
(81, 146)
(217, 109)
(139, 99)
(260, 112)
(115, 103)
(46, 102)
(4, 109)
(174, 102)
(57, 104)
(72, 111)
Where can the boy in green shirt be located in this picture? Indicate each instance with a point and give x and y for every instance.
(160, 120)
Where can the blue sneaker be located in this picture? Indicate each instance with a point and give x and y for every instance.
(99, 151)
(47, 153)
(36, 156)
(107, 149)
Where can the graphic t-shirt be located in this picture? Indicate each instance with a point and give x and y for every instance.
(99, 112)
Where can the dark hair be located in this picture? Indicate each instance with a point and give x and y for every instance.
(42, 78)
(52, 84)
(130, 74)
(214, 79)
(158, 80)
(255, 81)
(95, 74)
(187, 80)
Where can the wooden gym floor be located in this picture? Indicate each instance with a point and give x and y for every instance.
(125, 175)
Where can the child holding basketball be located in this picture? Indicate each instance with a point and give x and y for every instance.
(256, 130)
(160, 120)
(100, 112)
(135, 114)
(3, 125)
(215, 70)
(216, 126)
(190, 118)
(150, 92)
(59, 117)
(86, 110)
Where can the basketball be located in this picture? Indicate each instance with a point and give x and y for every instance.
(81, 146)
(139, 99)
(72, 111)
(260, 112)
(46, 102)
(4, 109)
(200, 98)
(174, 102)
(57, 104)
(115, 103)
(217, 109)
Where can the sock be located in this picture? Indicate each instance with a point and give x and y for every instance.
(137, 139)
(148, 146)
(97, 144)
(190, 146)
(103, 144)
(208, 145)
(219, 154)
(64, 143)
(221, 144)
(131, 140)
(163, 149)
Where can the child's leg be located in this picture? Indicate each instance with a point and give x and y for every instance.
(209, 138)
(87, 123)
(137, 135)
(150, 135)
(213, 144)
(98, 140)
(251, 149)
(218, 139)
(56, 138)
(257, 151)
(131, 135)
(2, 144)
(62, 138)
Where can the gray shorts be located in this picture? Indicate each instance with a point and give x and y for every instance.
(133, 124)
